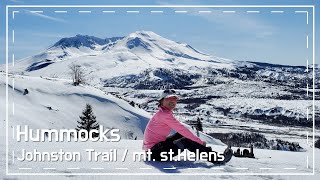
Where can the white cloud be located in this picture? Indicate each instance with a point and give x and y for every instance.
(45, 16)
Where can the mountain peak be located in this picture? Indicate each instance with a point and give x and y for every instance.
(141, 39)
(136, 42)
(78, 41)
(144, 33)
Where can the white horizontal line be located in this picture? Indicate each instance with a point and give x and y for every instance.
(265, 168)
(253, 11)
(300, 11)
(205, 11)
(48, 168)
(156, 6)
(60, 11)
(180, 11)
(145, 168)
(156, 11)
(73, 168)
(217, 168)
(97, 168)
(84, 11)
(36, 11)
(169, 168)
(108, 11)
(133, 11)
(25, 168)
(289, 168)
(228, 11)
(241, 168)
(121, 168)
(277, 11)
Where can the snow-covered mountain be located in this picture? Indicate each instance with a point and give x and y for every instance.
(128, 55)
(146, 60)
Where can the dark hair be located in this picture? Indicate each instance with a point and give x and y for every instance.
(160, 102)
(169, 91)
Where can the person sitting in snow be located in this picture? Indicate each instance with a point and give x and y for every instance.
(162, 122)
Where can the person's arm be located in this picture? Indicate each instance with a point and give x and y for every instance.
(180, 128)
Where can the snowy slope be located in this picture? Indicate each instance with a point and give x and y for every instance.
(67, 103)
(269, 161)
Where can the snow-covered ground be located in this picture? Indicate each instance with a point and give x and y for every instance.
(67, 103)
(278, 161)
(54, 103)
(268, 161)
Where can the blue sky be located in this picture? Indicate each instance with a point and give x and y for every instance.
(265, 36)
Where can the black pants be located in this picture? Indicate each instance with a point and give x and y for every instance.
(176, 142)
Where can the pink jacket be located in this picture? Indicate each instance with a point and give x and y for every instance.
(159, 128)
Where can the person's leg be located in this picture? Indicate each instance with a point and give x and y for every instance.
(164, 146)
(173, 137)
(185, 143)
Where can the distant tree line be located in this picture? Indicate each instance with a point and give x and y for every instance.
(257, 140)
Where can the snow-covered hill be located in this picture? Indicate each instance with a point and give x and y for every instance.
(56, 103)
